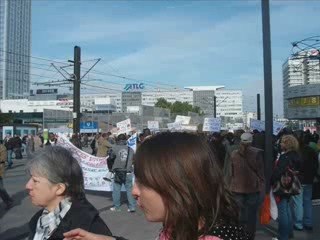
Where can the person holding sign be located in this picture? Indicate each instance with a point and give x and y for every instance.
(178, 183)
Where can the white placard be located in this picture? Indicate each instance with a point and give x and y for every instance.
(277, 127)
(256, 124)
(94, 168)
(124, 126)
(260, 126)
(192, 128)
(174, 126)
(211, 125)
(183, 119)
(153, 125)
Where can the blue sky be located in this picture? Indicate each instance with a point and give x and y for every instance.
(176, 43)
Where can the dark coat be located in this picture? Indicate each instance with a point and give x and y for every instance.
(310, 165)
(287, 159)
(81, 215)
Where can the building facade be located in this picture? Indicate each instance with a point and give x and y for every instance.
(301, 81)
(15, 48)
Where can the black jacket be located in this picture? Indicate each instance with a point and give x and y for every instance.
(81, 215)
(287, 159)
(309, 164)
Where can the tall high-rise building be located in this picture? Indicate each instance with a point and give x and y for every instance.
(15, 48)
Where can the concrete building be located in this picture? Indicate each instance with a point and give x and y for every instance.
(151, 97)
(229, 103)
(301, 86)
(15, 47)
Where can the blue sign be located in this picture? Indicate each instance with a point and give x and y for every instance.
(89, 125)
(134, 86)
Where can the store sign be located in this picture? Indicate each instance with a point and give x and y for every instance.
(304, 101)
(47, 91)
(134, 86)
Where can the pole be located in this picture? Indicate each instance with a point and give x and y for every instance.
(214, 106)
(258, 107)
(76, 90)
(267, 66)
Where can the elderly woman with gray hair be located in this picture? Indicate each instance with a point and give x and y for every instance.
(56, 185)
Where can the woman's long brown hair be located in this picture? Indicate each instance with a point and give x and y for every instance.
(184, 171)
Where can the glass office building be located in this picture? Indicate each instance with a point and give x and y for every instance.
(15, 48)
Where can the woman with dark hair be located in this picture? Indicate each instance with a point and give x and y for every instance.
(178, 182)
(56, 185)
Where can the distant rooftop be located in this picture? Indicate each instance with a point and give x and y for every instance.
(204, 88)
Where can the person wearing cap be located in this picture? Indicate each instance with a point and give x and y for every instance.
(247, 181)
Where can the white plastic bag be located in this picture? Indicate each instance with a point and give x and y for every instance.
(273, 207)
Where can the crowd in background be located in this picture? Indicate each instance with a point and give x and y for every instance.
(239, 155)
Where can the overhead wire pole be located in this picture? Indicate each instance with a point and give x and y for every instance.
(258, 107)
(76, 89)
(267, 66)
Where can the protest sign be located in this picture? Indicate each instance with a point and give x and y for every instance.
(183, 119)
(124, 126)
(175, 126)
(153, 125)
(192, 128)
(211, 125)
(260, 126)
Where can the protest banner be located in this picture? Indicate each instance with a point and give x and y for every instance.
(124, 126)
(94, 168)
(211, 125)
(183, 119)
(153, 125)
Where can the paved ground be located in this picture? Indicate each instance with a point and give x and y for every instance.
(13, 223)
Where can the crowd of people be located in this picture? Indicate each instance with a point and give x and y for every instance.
(198, 186)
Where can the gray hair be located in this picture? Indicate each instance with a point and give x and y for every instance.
(57, 164)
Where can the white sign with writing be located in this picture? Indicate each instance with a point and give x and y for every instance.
(192, 128)
(260, 126)
(256, 124)
(94, 168)
(124, 126)
(174, 126)
(211, 125)
(153, 125)
(183, 119)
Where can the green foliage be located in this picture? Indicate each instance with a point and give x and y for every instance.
(163, 103)
(5, 118)
(177, 108)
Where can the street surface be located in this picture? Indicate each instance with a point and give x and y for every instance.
(14, 222)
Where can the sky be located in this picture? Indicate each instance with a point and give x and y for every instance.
(169, 44)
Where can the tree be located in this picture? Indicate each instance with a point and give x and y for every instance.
(163, 103)
(177, 108)
(6, 118)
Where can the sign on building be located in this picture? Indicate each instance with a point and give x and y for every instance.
(47, 91)
(88, 127)
(134, 86)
